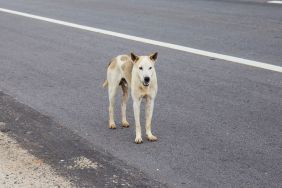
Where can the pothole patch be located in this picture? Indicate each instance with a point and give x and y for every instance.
(83, 163)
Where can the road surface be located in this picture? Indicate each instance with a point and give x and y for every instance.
(219, 123)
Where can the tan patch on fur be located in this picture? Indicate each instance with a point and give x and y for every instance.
(112, 126)
(113, 63)
(125, 124)
(144, 90)
(124, 58)
(127, 68)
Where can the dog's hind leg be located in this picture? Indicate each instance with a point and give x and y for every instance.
(112, 92)
(124, 103)
(149, 114)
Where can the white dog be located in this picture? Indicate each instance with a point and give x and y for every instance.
(137, 73)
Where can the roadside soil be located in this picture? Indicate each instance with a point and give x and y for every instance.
(18, 168)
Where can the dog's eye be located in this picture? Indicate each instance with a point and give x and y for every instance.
(141, 68)
(150, 68)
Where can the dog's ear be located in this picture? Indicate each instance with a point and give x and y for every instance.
(154, 56)
(134, 57)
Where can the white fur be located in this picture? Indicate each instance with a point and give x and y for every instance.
(129, 68)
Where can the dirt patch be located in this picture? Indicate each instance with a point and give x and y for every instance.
(83, 163)
(18, 168)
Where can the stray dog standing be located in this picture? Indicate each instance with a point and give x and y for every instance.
(137, 73)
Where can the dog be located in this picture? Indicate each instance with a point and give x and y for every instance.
(137, 73)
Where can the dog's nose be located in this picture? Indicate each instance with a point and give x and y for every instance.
(147, 79)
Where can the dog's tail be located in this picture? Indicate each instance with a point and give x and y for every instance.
(105, 84)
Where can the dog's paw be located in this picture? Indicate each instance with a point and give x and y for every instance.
(125, 124)
(152, 138)
(138, 140)
(112, 126)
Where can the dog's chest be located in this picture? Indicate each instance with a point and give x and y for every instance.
(145, 91)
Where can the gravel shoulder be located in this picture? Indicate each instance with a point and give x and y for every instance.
(19, 168)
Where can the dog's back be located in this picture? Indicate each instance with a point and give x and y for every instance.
(119, 68)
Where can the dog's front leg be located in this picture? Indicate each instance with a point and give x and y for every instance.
(136, 107)
(149, 114)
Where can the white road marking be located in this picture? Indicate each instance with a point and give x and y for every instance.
(275, 2)
(152, 42)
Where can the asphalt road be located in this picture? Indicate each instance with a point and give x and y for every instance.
(219, 124)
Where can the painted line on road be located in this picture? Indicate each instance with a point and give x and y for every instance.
(275, 2)
(233, 59)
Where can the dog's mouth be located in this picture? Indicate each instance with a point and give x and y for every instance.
(146, 84)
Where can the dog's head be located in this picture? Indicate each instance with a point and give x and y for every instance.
(145, 67)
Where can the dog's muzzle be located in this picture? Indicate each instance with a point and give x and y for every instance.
(146, 81)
